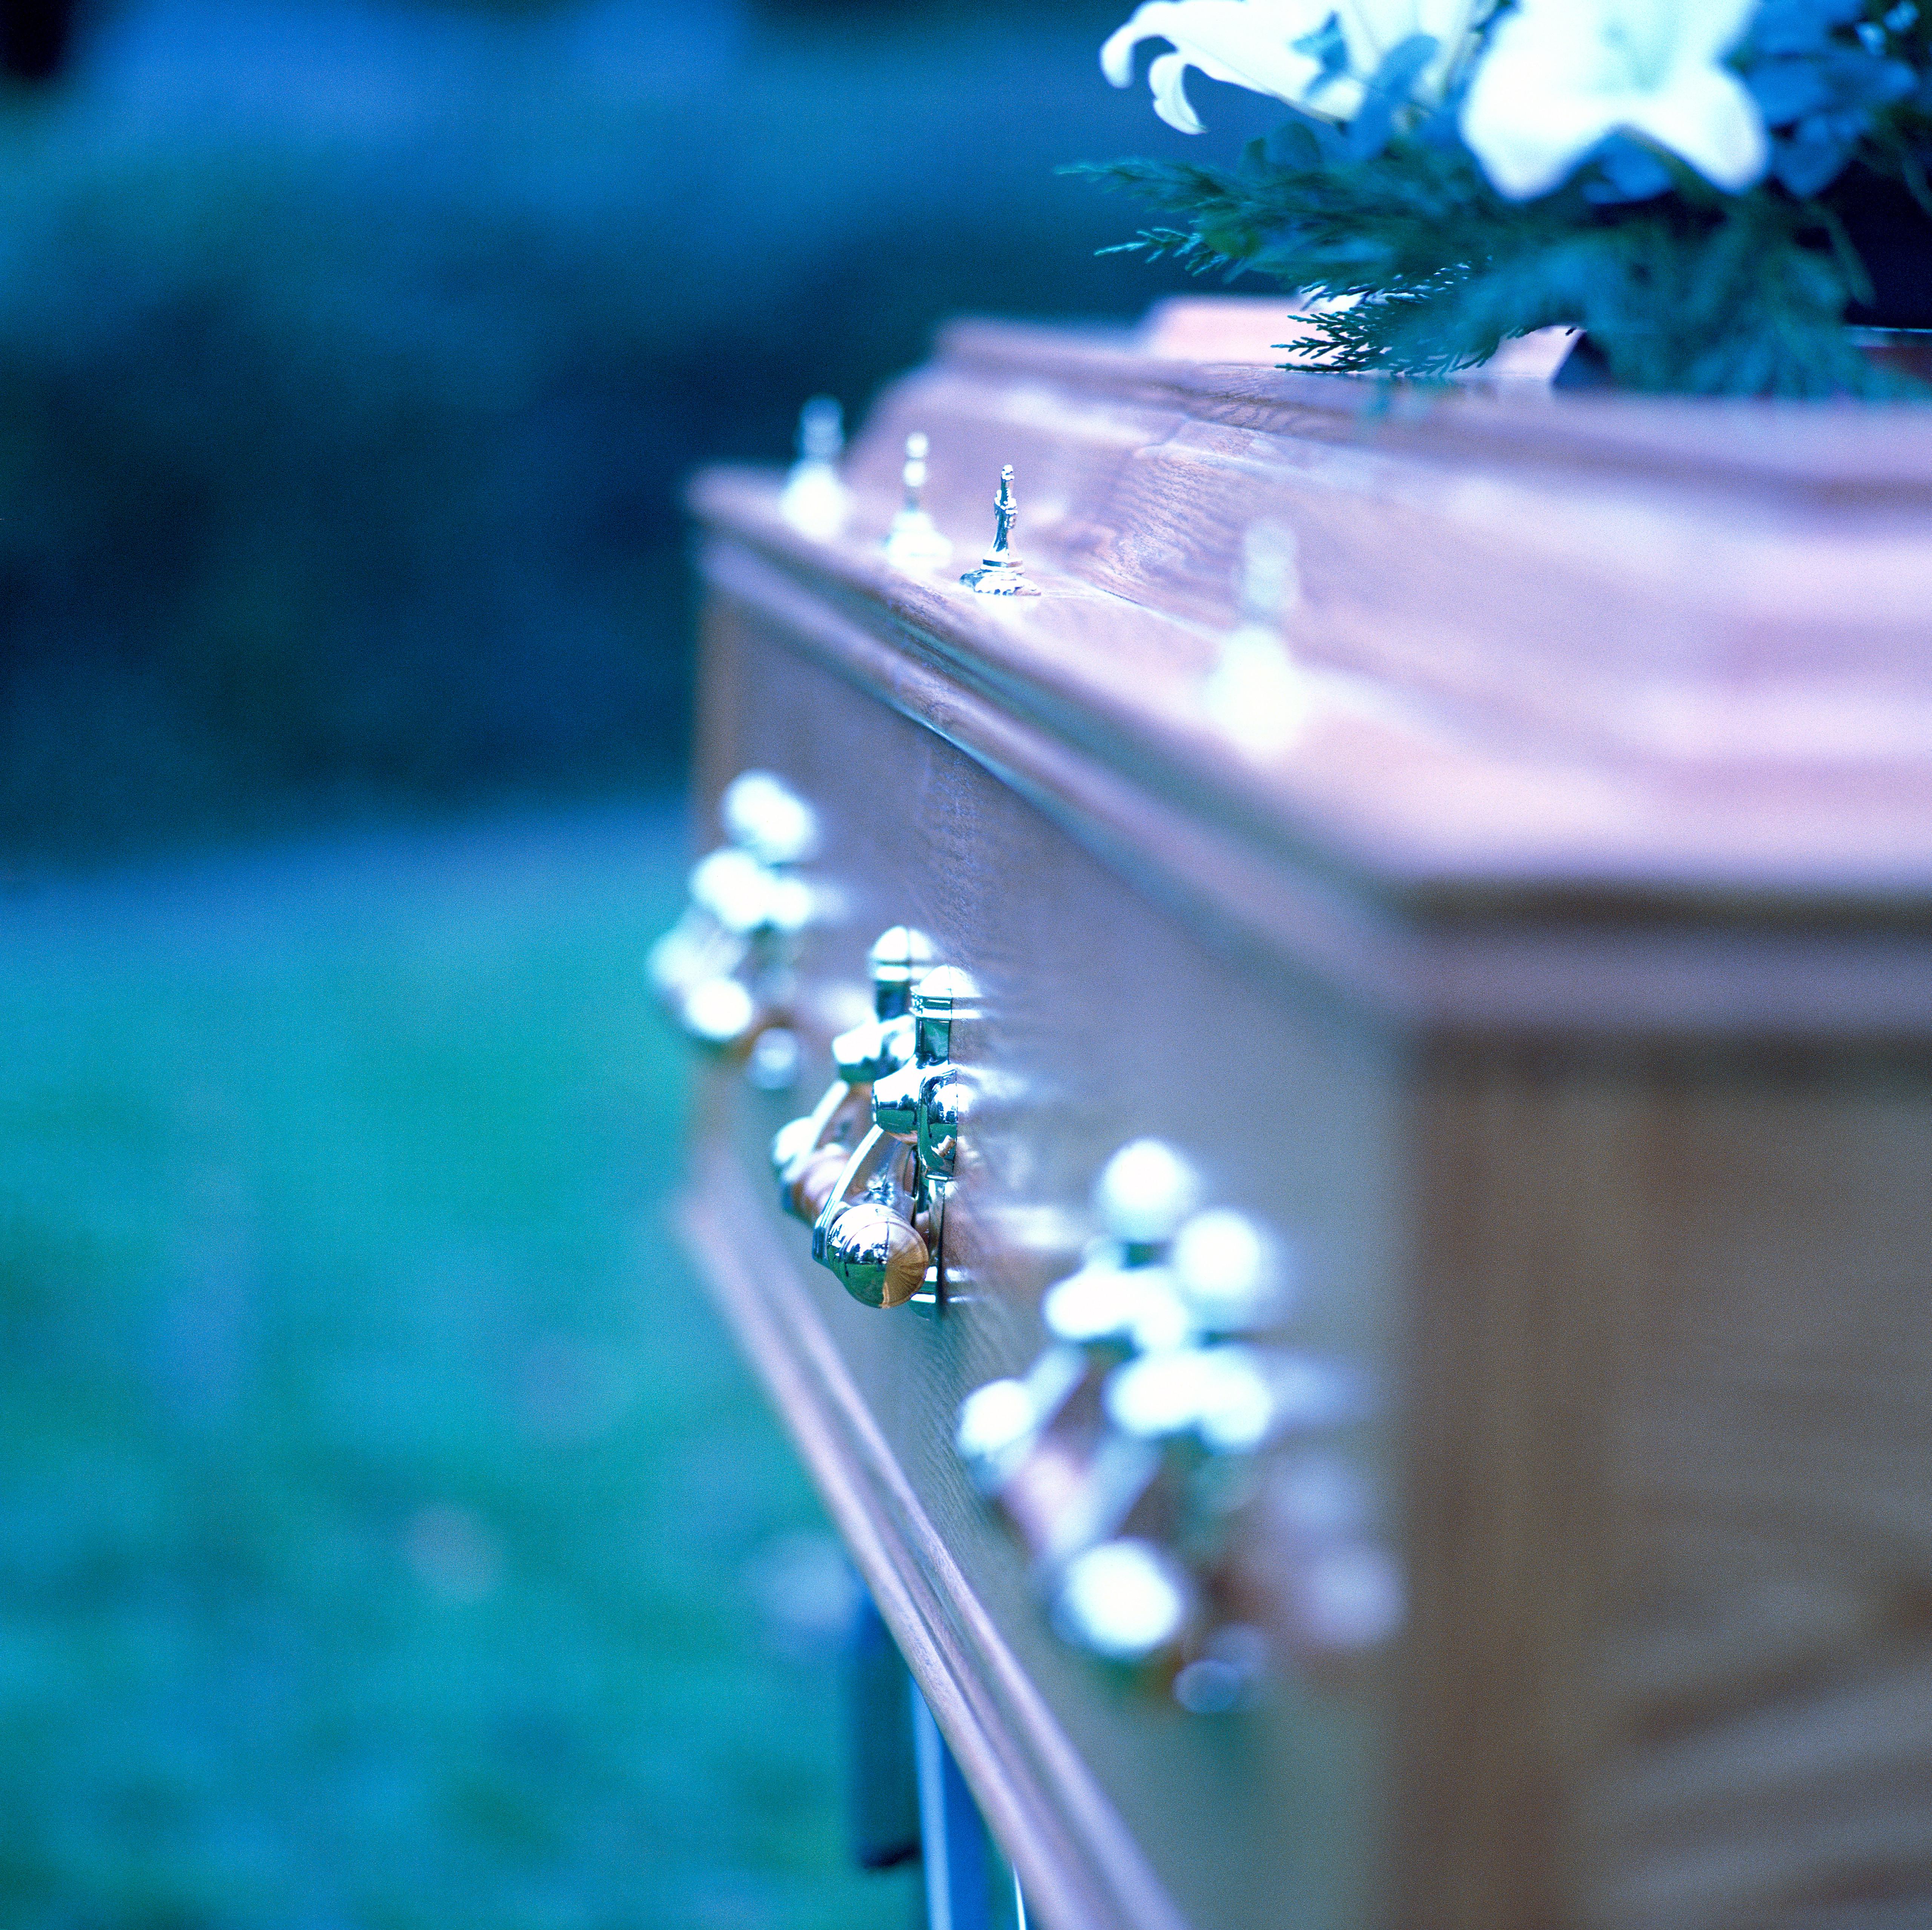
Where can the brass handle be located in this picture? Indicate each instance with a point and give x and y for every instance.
(809, 1154)
(725, 971)
(871, 1231)
(1124, 1456)
(882, 1229)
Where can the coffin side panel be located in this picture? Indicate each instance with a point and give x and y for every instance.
(1108, 1020)
(1672, 1455)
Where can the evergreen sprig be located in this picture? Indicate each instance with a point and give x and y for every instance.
(1422, 266)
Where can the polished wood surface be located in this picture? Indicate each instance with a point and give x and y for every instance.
(1672, 1453)
(1083, 985)
(1562, 992)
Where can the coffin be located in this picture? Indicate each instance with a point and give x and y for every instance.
(1538, 944)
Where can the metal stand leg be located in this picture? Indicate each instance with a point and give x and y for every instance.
(882, 1796)
(953, 1836)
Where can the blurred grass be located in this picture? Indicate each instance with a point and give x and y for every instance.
(352, 356)
(388, 1537)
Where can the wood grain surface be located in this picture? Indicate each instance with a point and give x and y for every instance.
(1551, 940)
(1079, 1861)
(1562, 993)
(1672, 1467)
(1613, 712)
(1269, 1816)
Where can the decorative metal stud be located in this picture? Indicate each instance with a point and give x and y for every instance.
(1000, 573)
(914, 541)
(816, 501)
(1256, 693)
(725, 969)
(1134, 1456)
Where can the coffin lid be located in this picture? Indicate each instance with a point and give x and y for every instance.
(1612, 712)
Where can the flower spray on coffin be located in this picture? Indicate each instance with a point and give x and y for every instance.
(1691, 182)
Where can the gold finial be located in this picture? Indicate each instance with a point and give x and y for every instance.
(914, 542)
(1000, 573)
(815, 500)
(1257, 694)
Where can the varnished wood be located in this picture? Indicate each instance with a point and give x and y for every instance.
(1081, 982)
(1671, 1463)
(1079, 1865)
(1614, 950)
(1564, 993)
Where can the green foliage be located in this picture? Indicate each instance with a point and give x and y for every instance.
(1679, 287)
(389, 1539)
(1831, 76)
(343, 427)
(1695, 292)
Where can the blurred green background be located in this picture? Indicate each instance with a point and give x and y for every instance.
(388, 1539)
(352, 356)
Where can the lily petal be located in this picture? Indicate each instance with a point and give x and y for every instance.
(1167, 78)
(1245, 42)
(1558, 76)
(1529, 146)
(1117, 51)
(1710, 120)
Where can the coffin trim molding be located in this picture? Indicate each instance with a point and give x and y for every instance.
(1269, 889)
(1077, 1861)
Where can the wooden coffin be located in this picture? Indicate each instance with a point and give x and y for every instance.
(1554, 978)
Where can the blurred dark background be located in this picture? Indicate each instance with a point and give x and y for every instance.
(388, 1539)
(352, 353)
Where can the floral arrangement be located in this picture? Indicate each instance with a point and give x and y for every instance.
(1711, 189)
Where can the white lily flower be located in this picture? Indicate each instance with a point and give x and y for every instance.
(1375, 27)
(1559, 76)
(1250, 43)
(1246, 43)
